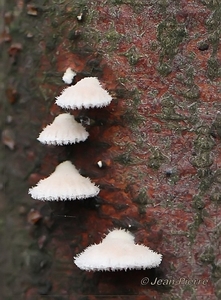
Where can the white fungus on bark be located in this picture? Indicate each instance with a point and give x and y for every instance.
(86, 93)
(65, 183)
(100, 164)
(117, 251)
(64, 130)
(68, 76)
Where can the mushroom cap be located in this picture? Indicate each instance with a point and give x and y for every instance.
(65, 183)
(63, 130)
(86, 93)
(117, 251)
(119, 234)
(68, 76)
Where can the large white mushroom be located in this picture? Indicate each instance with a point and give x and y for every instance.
(64, 130)
(117, 251)
(65, 183)
(86, 93)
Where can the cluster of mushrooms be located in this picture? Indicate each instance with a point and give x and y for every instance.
(117, 251)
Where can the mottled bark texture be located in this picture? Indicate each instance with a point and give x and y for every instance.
(159, 141)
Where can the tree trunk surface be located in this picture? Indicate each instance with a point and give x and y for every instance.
(159, 142)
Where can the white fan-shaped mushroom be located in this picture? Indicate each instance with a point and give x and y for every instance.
(64, 130)
(65, 183)
(86, 93)
(117, 251)
(68, 76)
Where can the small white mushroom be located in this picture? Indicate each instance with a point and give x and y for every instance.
(117, 251)
(63, 130)
(68, 76)
(86, 93)
(65, 183)
(80, 17)
(100, 164)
